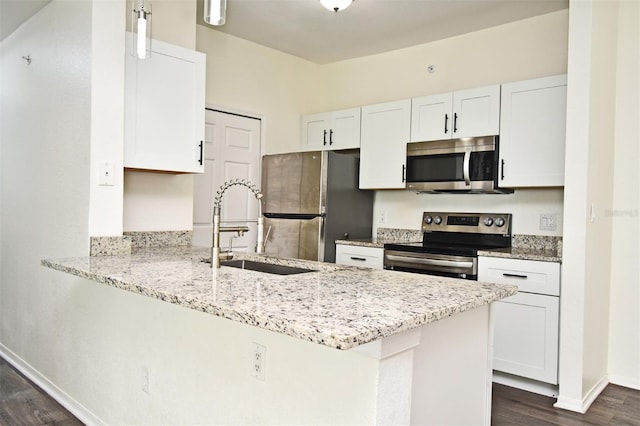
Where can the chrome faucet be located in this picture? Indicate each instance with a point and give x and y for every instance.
(217, 207)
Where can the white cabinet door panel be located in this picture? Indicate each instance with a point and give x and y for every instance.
(331, 130)
(476, 112)
(431, 117)
(383, 146)
(533, 131)
(164, 109)
(526, 336)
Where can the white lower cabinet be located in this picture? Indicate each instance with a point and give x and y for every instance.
(366, 257)
(526, 325)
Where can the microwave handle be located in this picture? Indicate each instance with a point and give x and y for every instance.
(465, 168)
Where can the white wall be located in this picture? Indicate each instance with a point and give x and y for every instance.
(586, 269)
(46, 139)
(624, 324)
(107, 116)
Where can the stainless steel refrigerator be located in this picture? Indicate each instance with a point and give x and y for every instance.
(310, 200)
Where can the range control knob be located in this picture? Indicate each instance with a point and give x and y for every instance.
(488, 221)
(437, 220)
(500, 222)
(428, 220)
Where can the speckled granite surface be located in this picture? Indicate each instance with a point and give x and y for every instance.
(109, 246)
(386, 236)
(159, 238)
(337, 306)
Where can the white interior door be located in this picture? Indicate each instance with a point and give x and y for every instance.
(232, 150)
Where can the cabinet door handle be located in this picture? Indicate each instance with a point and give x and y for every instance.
(324, 138)
(331, 137)
(446, 122)
(501, 169)
(455, 122)
(361, 259)
(522, 277)
(404, 169)
(201, 152)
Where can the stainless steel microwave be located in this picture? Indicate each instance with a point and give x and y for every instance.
(454, 165)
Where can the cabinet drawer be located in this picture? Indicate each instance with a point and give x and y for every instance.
(367, 257)
(530, 276)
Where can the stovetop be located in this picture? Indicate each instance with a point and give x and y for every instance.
(460, 233)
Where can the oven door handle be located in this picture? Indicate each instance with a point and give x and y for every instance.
(430, 262)
(465, 168)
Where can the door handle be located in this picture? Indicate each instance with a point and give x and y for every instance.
(455, 122)
(324, 138)
(331, 137)
(201, 152)
(446, 121)
(501, 169)
(361, 259)
(404, 169)
(465, 168)
(523, 277)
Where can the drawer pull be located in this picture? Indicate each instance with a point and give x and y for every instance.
(523, 277)
(361, 259)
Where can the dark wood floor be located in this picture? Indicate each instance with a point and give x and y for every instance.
(23, 403)
(614, 406)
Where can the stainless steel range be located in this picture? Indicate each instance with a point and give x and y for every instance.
(450, 244)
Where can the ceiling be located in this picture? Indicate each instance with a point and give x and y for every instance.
(306, 29)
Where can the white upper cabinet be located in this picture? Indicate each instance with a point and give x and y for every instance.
(331, 130)
(383, 145)
(532, 132)
(461, 114)
(164, 109)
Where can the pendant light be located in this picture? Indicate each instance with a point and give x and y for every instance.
(141, 20)
(336, 5)
(215, 12)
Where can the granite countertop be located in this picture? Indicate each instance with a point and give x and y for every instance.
(524, 253)
(337, 306)
(377, 242)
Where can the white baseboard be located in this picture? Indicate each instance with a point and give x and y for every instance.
(525, 384)
(73, 406)
(581, 406)
(625, 382)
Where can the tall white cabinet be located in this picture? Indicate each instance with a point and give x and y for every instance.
(164, 109)
(532, 132)
(461, 114)
(383, 144)
(331, 130)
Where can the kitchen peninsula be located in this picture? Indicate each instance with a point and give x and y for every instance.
(351, 345)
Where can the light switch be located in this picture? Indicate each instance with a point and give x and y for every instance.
(106, 173)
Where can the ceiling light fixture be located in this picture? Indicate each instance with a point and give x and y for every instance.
(336, 5)
(141, 18)
(215, 12)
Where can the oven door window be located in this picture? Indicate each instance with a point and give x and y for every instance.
(450, 167)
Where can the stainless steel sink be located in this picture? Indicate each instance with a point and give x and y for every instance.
(268, 268)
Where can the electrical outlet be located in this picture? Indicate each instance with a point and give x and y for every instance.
(144, 380)
(548, 222)
(258, 361)
(383, 217)
(106, 173)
